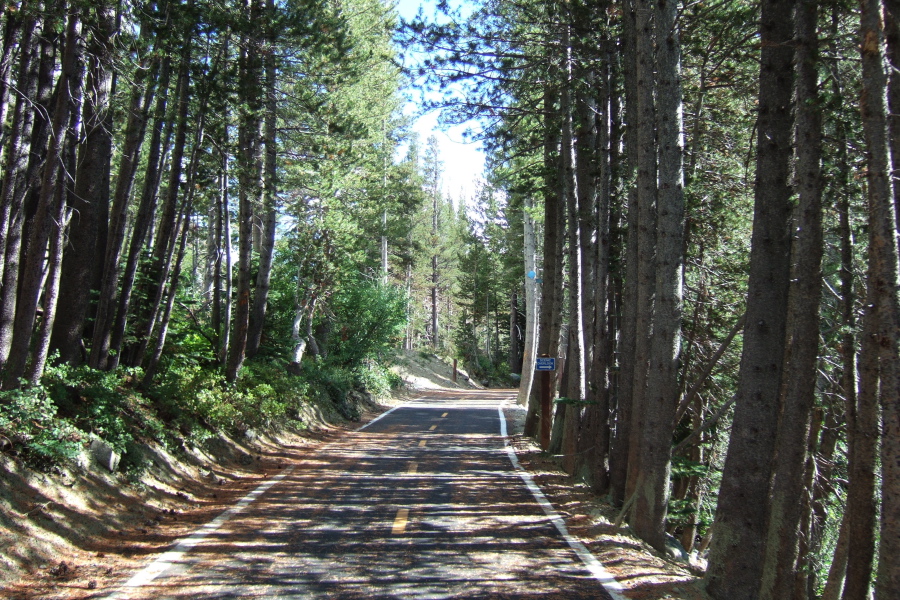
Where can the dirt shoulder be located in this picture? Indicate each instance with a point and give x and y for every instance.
(643, 572)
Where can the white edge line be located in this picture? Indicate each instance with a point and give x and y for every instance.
(609, 583)
(379, 417)
(166, 560)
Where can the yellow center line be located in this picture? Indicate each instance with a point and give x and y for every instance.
(432, 428)
(444, 415)
(400, 521)
(422, 443)
(413, 466)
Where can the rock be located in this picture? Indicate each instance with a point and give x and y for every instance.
(105, 456)
(251, 435)
(675, 550)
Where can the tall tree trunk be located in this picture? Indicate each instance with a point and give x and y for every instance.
(225, 338)
(835, 581)
(554, 223)
(883, 287)
(13, 32)
(646, 202)
(892, 38)
(837, 572)
(513, 359)
(576, 361)
(270, 198)
(594, 442)
(110, 352)
(37, 92)
(802, 342)
(532, 304)
(143, 91)
(661, 400)
(249, 171)
(13, 139)
(736, 553)
(435, 338)
(150, 296)
(861, 506)
(90, 202)
(619, 452)
(51, 204)
(53, 267)
(160, 342)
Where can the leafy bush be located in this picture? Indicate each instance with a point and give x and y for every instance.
(100, 403)
(190, 400)
(30, 424)
(369, 319)
(377, 378)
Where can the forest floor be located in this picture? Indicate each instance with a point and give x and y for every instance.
(78, 533)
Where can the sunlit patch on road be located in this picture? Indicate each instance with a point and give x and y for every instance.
(400, 521)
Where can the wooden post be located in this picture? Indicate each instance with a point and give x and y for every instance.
(454, 370)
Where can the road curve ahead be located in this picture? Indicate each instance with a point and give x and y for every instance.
(425, 502)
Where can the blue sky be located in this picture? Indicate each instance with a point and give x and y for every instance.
(463, 162)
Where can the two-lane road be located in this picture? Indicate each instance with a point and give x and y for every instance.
(424, 502)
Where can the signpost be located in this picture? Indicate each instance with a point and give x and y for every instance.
(545, 365)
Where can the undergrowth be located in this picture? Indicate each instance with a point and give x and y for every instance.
(51, 423)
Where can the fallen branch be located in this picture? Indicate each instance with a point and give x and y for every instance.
(625, 508)
(38, 508)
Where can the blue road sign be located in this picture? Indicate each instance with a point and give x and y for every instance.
(545, 364)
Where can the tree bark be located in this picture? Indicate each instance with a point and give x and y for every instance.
(13, 32)
(576, 360)
(249, 170)
(621, 444)
(883, 302)
(834, 584)
(35, 133)
(270, 197)
(51, 204)
(646, 205)
(110, 352)
(595, 445)
(225, 339)
(132, 140)
(14, 138)
(532, 303)
(736, 553)
(90, 198)
(554, 223)
(802, 343)
(661, 401)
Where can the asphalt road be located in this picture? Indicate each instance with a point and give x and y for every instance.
(422, 503)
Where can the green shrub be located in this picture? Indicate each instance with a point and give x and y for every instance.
(369, 318)
(29, 422)
(376, 378)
